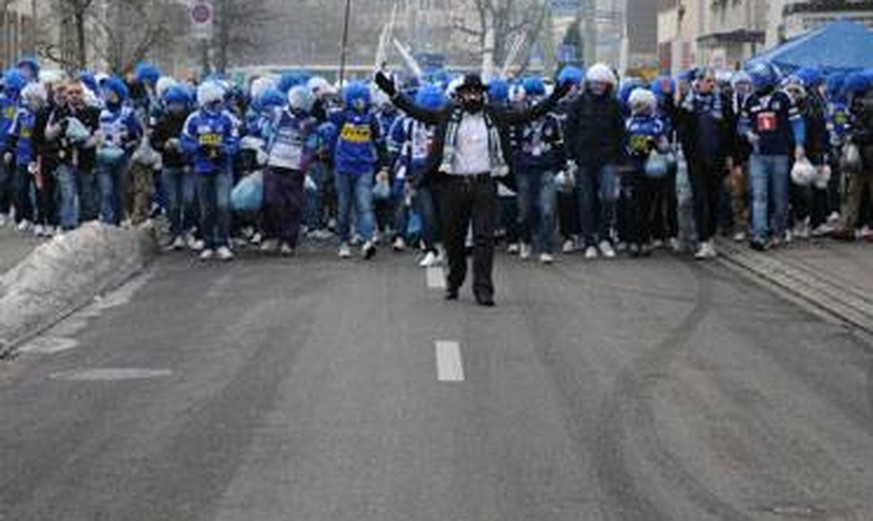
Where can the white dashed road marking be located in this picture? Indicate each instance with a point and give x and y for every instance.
(110, 374)
(448, 360)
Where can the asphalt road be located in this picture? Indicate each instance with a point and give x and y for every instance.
(315, 389)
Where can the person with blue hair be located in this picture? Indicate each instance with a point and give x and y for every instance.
(774, 128)
(537, 158)
(19, 144)
(858, 90)
(360, 159)
(292, 148)
(120, 133)
(29, 68)
(211, 137)
(177, 177)
(410, 145)
(13, 82)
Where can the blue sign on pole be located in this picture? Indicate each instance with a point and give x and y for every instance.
(566, 7)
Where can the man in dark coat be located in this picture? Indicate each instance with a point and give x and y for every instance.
(468, 156)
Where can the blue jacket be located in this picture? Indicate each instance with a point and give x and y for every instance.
(540, 145)
(120, 127)
(20, 136)
(776, 120)
(211, 140)
(410, 144)
(839, 122)
(359, 147)
(644, 135)
(8, 109)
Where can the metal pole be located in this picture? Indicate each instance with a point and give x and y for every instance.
(345, 42)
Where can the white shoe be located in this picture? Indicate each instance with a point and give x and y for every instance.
(429, 260)
(285, 250)
(606, 249)
(569, 246)
(706, 250)
(39, 231)
(622, 247)
(24, 226)
(591, 253)
(675, 245)
(657, 244)
(270, 246)
(224, 253)
(369, 250)
(344, 251)
(546, 258)
(178, 243)
(740, 237)
(206, 254)
(524, 251)
(195, 244)
(822, 230)
(399, 244)
(512, 249)
(257, 238)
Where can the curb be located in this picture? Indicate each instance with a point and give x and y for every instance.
(846, 304)
(65, 274)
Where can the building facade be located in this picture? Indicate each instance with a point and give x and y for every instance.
(17, 34)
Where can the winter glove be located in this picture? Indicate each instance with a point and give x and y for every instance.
(563, 89)
(386, 84)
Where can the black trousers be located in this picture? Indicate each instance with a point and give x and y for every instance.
(706, 177)
(464, 199)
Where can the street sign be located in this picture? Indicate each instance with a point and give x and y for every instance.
(566, 7)
(202, 16)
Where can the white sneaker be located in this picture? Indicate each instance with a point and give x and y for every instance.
(569, 246)
(429, 260)
(524, 251)
(606, 249)
(24, 226)
(344, 251)
(546, 258)
(657, 244)
(257, 238)
(285, 250)
(224, 253)
(591, 253)
(740, 237)
(706, 250)
(369, 250)
(38, 230)
(270, 246)
(195, 244)
(206, 254)
(178, 243)
(512, 249)
(822, 230)
(399, 244)
(675, 245)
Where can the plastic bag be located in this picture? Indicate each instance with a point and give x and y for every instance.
(382, 190)
(565, 182)
(110, 155)
(76, 130)
(248, 194)
(823, 177)
(850, 162)
(145, 154)
(803, 172)
(656, 165)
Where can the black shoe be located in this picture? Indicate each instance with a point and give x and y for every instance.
(485, 301)
(758, 244)
(452, 294)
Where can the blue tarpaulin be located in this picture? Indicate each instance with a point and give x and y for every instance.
(839, 46)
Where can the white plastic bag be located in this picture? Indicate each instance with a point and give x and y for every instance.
(803, 173)
(656, 165)
(248, 194)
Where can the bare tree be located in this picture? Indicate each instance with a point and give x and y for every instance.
(132, 29)
(500, 22)
(239, 30)
(71, 49)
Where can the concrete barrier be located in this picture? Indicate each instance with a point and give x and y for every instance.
(66, 273)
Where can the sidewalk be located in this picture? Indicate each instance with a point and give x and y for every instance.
(833, 277)
(15, 247)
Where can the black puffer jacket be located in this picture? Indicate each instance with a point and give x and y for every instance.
(595, 130)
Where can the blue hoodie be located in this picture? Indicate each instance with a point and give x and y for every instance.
(211, 139)
(359, 145)
(645, 132)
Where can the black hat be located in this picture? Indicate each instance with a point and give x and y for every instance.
(472, 82)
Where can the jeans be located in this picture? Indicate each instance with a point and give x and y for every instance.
(314, 214)
(21, 193)
(68, 207)
(597, 185)
(179, 188)
(537, 199)
(6, 174)
(357, 188)
(213, 191)
(89, 199)
(769, 178)
(113, 181)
